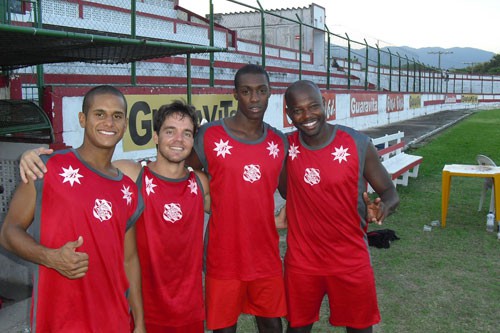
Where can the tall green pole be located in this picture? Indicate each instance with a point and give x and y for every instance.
(212, 43)
(434, 85)
(39, 68)
(407, 74)
(133, 18)
(390, 69)
(189, 84)
(300, 46)
(419, 77)
(328, 58)
(366, 65)
(414, 75)
(378, 67)
(429, 79)
(262, 34)
(399, 72)
(348, 62)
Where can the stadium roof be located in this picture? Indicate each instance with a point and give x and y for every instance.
(28, 46)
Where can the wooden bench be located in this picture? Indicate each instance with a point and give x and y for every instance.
(398, 164)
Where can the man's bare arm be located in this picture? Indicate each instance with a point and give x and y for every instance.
(14, 237)
(133, 271)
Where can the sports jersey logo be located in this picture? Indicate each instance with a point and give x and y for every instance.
(150, 187)
(127, 195)
(341, 154)
(251, 173)
(223, 148)
(273, 149)
(193, 186)
(102, 210)
(172, 212)
(71, 175)
(293, 151)
(312, 176)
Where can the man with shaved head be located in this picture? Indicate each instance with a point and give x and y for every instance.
(328, 211)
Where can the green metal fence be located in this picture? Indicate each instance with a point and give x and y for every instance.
(297, 40)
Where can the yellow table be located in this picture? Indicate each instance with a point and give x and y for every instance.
(465, 170)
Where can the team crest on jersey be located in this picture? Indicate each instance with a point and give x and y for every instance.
(172, 212)
(340, 154)
(312, 176)
(71, 175)
(251, 173)
(103, 210)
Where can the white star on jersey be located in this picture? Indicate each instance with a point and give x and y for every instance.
(193, 186)
(293, 151)
(273, 149)
(70, 175)
(223, 148)
(341, 154)
(127, 194)
(150, 186)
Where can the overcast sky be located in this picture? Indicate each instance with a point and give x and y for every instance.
(423, 23)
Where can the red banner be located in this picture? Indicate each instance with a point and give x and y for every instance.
(363, 104)
(395, 103)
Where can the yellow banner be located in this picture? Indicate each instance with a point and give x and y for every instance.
(415, 101)
(139, 134)
(472, 99)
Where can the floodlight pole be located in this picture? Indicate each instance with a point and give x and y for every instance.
(439, 56)
(471, 64)
(439, 66)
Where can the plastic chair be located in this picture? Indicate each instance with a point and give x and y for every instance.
(488, 183)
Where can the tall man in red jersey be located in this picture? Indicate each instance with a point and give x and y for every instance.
(243, 157)
(83, 213)
(327, 211)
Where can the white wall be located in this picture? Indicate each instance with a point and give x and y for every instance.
(73, 133)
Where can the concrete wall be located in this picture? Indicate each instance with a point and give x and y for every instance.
(360, 110)
(12, 269)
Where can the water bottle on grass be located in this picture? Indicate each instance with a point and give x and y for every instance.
(490, 222)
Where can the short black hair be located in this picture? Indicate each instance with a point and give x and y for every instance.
(300, 85)
(101, 90)
(250, 69)
(176, 107)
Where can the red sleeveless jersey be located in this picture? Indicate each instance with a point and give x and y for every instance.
(242, 237)
(170, 246)
(325, 209)
(74, 200)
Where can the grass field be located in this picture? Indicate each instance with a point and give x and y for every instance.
(446, 280)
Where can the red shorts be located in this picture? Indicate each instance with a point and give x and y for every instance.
(197, 327)
(227, 299)
(352, 298)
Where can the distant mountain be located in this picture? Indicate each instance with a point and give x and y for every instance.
(456, 57)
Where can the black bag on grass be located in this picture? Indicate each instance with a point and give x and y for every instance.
(381, 238)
